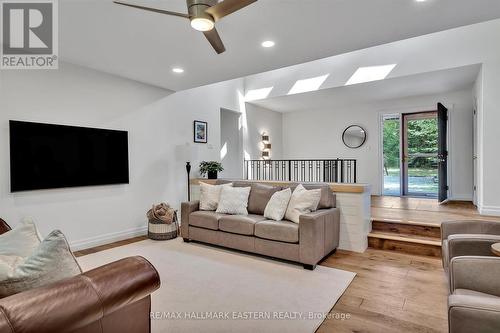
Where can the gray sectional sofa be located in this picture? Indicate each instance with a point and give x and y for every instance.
(315, 236)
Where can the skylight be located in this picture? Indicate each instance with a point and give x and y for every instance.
(372, 73)
(256, 94)
(312, 84)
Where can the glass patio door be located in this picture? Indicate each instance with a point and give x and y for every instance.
(420, 154)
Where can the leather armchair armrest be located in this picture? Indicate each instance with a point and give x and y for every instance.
(471, 245)
(313, 240)
(470, 313)
(469, 227)
(4, 227)
(81, 300)
(186, 209)
(475, 273)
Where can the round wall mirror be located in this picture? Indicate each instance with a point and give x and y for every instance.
(354, 136)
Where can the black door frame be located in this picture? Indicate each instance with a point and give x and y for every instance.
(442, 152)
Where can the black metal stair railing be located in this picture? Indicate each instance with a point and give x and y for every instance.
(329, 170)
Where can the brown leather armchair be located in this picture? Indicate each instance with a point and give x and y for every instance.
(112, 298)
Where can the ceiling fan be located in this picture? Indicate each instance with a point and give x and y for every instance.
(203, 14)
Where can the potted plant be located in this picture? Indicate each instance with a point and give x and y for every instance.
(211, 169)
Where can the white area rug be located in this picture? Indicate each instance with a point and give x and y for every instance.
(208, 289)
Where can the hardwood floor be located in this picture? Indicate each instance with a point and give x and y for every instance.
(392, 292)
(424, 210)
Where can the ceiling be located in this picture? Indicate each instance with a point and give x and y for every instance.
(401, 87)
(145, 46)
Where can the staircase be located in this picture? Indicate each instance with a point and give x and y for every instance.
(411, 237)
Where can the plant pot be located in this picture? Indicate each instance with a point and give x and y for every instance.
(212, 175)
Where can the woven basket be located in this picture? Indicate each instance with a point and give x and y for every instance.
(159, 230)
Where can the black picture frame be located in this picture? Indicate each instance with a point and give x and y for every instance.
(200, 137)
(364, 138)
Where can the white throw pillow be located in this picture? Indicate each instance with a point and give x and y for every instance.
(20, 241)
(234, 200)
(210, 194)
(277, 205)
(302, 202)
(51, 261)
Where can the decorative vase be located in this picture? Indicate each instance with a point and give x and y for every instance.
(212, 175)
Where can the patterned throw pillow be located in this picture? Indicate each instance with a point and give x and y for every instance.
(51, 261)
(302, 202)
(210, 194)
(234, 200)
(277, 205)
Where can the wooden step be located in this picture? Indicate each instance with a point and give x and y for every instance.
(406, 228)
(407, 243)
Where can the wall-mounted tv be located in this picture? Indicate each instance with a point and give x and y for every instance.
(44, 156)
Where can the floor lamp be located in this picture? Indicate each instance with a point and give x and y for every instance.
(188, 170)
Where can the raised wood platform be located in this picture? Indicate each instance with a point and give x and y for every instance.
(413, 225)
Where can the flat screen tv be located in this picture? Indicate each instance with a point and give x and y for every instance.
(45, 156)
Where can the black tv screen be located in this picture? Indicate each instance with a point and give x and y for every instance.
(44, 156)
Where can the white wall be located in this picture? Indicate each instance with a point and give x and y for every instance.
(258, 121)
(318, 134)
(158, 122)
(231, 143)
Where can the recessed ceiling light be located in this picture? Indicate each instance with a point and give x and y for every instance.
(268, 43)
(177, 70)
(420, 0)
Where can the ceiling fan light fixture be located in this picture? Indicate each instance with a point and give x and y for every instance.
(202, 24)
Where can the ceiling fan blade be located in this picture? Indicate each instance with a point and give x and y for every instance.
(227, 7)
(156, 10)
(214, 39)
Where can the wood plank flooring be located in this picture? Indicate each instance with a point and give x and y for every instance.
(424, 210)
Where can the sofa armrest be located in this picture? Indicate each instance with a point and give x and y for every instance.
(79, 301)
(469, 227)
(475, 273)
(318, 234)
(186, 209)
(471, 245)
(4, 227)
(471, 313)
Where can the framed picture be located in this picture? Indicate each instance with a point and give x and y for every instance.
(200, 131)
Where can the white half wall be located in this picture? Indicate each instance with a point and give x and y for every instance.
(318, 134)
(158, 122)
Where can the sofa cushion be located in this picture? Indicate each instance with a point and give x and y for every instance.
(327, 199)
(283, 231)
(210, 195)
(260, 194)
(239, 224)
(234, 200)
(205, 219)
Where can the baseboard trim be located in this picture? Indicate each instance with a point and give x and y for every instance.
(108, 238)
(489, 210)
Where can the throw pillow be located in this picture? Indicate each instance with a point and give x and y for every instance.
(277, 205)
(234, 200)
(20, 241)
(302, 202)
(210, 194)
(51, 261)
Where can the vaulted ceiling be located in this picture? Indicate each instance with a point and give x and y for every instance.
(145, 46)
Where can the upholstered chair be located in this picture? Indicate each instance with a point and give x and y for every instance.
(474, 302)
(468, 238)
